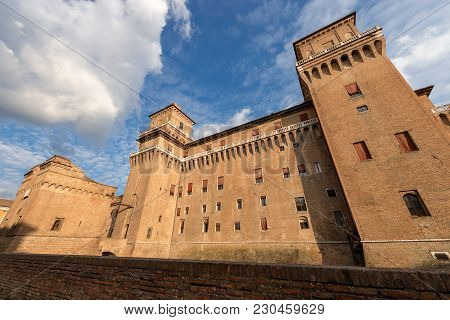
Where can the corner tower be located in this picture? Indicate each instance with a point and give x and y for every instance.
(390, 157)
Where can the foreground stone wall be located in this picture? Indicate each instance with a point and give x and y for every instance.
(81, 277)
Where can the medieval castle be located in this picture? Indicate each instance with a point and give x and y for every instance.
(358, 174)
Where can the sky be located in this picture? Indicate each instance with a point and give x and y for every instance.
(78, 78)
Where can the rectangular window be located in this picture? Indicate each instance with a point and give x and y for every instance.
(205, 224)
(255, 132)
(303, 223)
(302, 170)
(281, 148)
(189, 189)
(127, 226)
(256, 147)
(300, 204)
(159, 218)
(363, 108)
(57, 224)
(362, 150)
(186, 211)
(220, 183)
(239, 203)
(172, 190)
(286, 173)
(149, 233)
(26, 194)
(296, 145)
(278, 125)
(181, 226)
(178, 212)
(415, 204)
(331, 193)
(263, 224)
(204, 208)
(258, 176)
(208, 147)
(339, 217)
(217, 227)
(353, 90)
(205, 186)
(263, 201)
(304, 117)
(181, 126)
(317, 168)
(185, 153)
(180, 191)
(237, 226)
(406, 142)
(222, 143)
(218, 206)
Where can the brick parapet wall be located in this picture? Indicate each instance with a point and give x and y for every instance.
(81, 277)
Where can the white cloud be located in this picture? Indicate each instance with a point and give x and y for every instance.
(43, 81)
(237, 119)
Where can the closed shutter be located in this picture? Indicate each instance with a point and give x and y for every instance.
(220, 181)
(352, 89)
(205, 184)
(258, 173)
(406, 142)
(189, 187)
(362, 150)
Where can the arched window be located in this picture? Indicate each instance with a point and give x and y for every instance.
(324, 68)
(315, 73)
(415, 204)
(346, 61)
(368, 51)
(335, 65)
(307, 76)
(379, 46)
(356, 56)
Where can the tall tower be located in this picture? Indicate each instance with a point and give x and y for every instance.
(390, 156)
(143, 224)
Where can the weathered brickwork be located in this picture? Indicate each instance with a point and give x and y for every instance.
(71, 277)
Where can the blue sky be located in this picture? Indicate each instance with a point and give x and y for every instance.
(224, 62)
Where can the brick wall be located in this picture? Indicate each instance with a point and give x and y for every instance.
(78, 277)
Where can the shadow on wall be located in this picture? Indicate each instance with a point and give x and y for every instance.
(11, 238)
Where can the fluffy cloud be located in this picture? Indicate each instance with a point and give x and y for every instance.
(237, 119)
(43, 81)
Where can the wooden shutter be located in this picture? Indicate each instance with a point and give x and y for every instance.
(189, 187)
(205, 183)
(406, 142)
(362, 150)
(352, 89)
(304, 117)
(220, 181)
(263, 223)
(258, 173)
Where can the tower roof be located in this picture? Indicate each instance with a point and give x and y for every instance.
(172, 105)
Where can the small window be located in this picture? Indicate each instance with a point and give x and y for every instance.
(317, 168)
(180, 191)
(205, 224)
(239, 203)
(26, 194)
(362, 150)
(255, 132)
(304, 117)
(57, 224)
(406, 142)
(159, 218)
(127, 226)
(331, 193)
(220, 183)
(300, 204)
(363, 108)
(339, 218)
(263, 200)
(205, 186)
(222, 143)
(218, 206)
(181, 226)
(170, 148)
(237, 226)
(178, 212)
(264, 224)
(286, 173)
(353, 90)
(149, 233)
(296, 145)
(415, 204)
(208, 147)
(258, 176)
(217, 227)
(185, 153)
(302, 170)
(281, 148)
(172, 190)
(303, 223)
(181, 126)
(204, 208)
(444, 256)
(189, 189)
(278, 125)
(186, 211)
